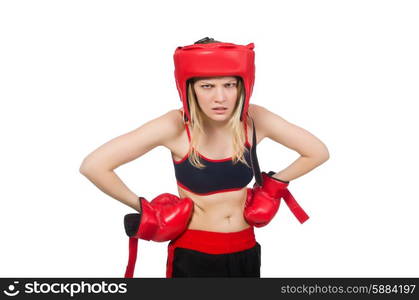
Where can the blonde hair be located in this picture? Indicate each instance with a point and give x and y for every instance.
(235, 125)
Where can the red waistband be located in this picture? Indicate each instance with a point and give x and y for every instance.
(216, 242)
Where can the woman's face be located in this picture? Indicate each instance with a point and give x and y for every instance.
(217, 96)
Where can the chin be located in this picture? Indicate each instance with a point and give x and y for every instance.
(220, 118)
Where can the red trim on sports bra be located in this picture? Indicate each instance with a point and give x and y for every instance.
(205, 158)
(245, 131)
(182, 160)
(215, 160)
(210, 193)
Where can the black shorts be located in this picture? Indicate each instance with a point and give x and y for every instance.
(198, 253)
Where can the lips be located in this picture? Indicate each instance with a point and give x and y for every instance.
(220, 110)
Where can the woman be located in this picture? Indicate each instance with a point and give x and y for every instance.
(210, 225)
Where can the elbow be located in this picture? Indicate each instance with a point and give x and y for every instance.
(91, 169)
(83, 169)
(86, 168)
(319, 157)
(323, 155)
(326, 153)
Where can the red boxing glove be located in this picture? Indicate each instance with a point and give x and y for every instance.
(163, 219)
(263, 202)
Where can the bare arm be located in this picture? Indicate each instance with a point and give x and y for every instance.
(99, 165)
(313, 152)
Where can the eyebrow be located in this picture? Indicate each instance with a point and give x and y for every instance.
(207, 82)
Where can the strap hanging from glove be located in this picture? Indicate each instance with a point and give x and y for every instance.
(163, 219)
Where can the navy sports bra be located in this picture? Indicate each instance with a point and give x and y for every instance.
(219, 175)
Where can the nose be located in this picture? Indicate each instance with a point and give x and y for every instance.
(220, 95)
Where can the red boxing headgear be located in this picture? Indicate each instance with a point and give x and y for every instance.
(211, 60)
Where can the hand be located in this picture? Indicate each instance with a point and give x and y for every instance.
(263, 202)
(163, 219)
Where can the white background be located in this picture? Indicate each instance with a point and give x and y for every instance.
(75, 74)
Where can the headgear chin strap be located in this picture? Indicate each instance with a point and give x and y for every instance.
(211, 60)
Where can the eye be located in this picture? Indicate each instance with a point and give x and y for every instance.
(205, 86)
(230, 84)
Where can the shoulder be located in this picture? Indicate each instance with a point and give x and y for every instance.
(171, 121)
(131, 145)
(256, 111)
(170, 126)
(163, 128)
(288, 134)
(172, 117)
(261, 116)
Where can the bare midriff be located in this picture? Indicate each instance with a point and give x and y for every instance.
(218, 212)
